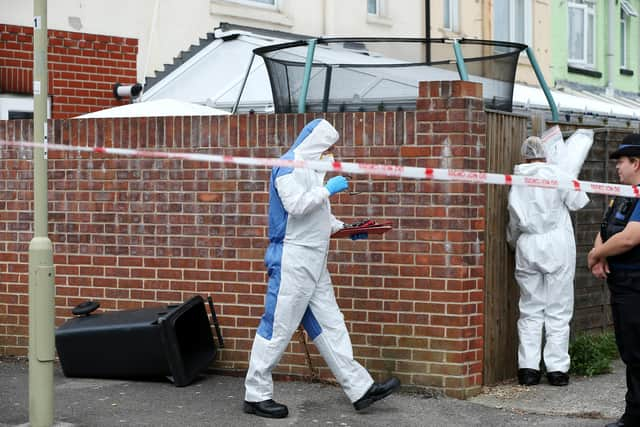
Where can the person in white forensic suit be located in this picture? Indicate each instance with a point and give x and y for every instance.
(540, 229)
(299, 288)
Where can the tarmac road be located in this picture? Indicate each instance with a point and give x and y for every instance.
(216, 400)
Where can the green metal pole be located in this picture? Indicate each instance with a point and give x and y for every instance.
(302, 101)
(462, 69)
(41, 274)
(543, 84)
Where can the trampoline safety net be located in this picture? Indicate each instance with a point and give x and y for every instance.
(382, 74)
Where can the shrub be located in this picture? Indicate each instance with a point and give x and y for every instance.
(592, 354)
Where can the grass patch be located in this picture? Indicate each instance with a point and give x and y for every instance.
(592, 354)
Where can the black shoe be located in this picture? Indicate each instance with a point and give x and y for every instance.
(558, 378)
(528, 376)
(376, 392)
(266, 408)
(624, 420)
(618, 423)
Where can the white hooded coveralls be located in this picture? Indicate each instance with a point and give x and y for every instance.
(539, 222)
(300, 289)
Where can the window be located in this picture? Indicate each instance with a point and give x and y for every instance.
(512, 21)
(582, 34)
(450, 18)
(18, 107)
(373, 7)
(626, 11)
(20, 115)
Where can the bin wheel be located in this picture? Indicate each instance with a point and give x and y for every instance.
(85, 308)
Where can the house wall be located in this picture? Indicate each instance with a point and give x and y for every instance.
(132, 232)
(560, 52)
(165, 28)
(82, 68)
(541, 43)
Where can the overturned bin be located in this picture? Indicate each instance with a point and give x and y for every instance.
(173, 341)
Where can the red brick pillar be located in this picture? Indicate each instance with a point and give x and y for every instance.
(450, 133)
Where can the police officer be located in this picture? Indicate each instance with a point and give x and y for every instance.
(616, 257)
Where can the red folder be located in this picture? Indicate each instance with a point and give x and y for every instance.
(368, 226)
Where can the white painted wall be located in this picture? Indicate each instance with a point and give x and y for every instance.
(166, 27)
(541, 45)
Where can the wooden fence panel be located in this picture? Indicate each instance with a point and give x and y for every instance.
(505, 133)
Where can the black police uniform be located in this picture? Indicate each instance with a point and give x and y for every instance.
(624, 286)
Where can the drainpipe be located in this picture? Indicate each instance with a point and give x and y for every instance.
(427, 30)
(610, 48)
(324, 18)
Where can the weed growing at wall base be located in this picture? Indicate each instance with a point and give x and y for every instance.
(592, 354)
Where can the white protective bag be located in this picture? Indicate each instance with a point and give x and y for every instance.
(569, 155)
(554, 146)
(578, 146)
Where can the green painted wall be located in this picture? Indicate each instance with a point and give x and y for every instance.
(560, 50)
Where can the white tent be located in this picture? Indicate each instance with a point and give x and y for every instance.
(157, 108)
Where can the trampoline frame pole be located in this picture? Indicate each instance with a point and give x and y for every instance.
(462, 68)
(234, 110)
(543, 84)
(327, 89)
(302, 101)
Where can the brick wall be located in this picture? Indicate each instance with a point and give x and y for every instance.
(82, 68)
(138, 232)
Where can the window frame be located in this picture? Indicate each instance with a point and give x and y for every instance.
(452, 7)
(257, 3)
(589, 10)
(626, 13)
(377, 11)
(624, 39)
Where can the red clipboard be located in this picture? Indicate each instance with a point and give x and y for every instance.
(368, 226)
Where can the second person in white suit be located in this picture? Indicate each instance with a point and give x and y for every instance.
(540, 229)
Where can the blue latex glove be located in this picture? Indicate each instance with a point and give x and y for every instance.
(337, 184)
(360, 236)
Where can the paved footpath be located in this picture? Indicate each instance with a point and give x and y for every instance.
(215, 400)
